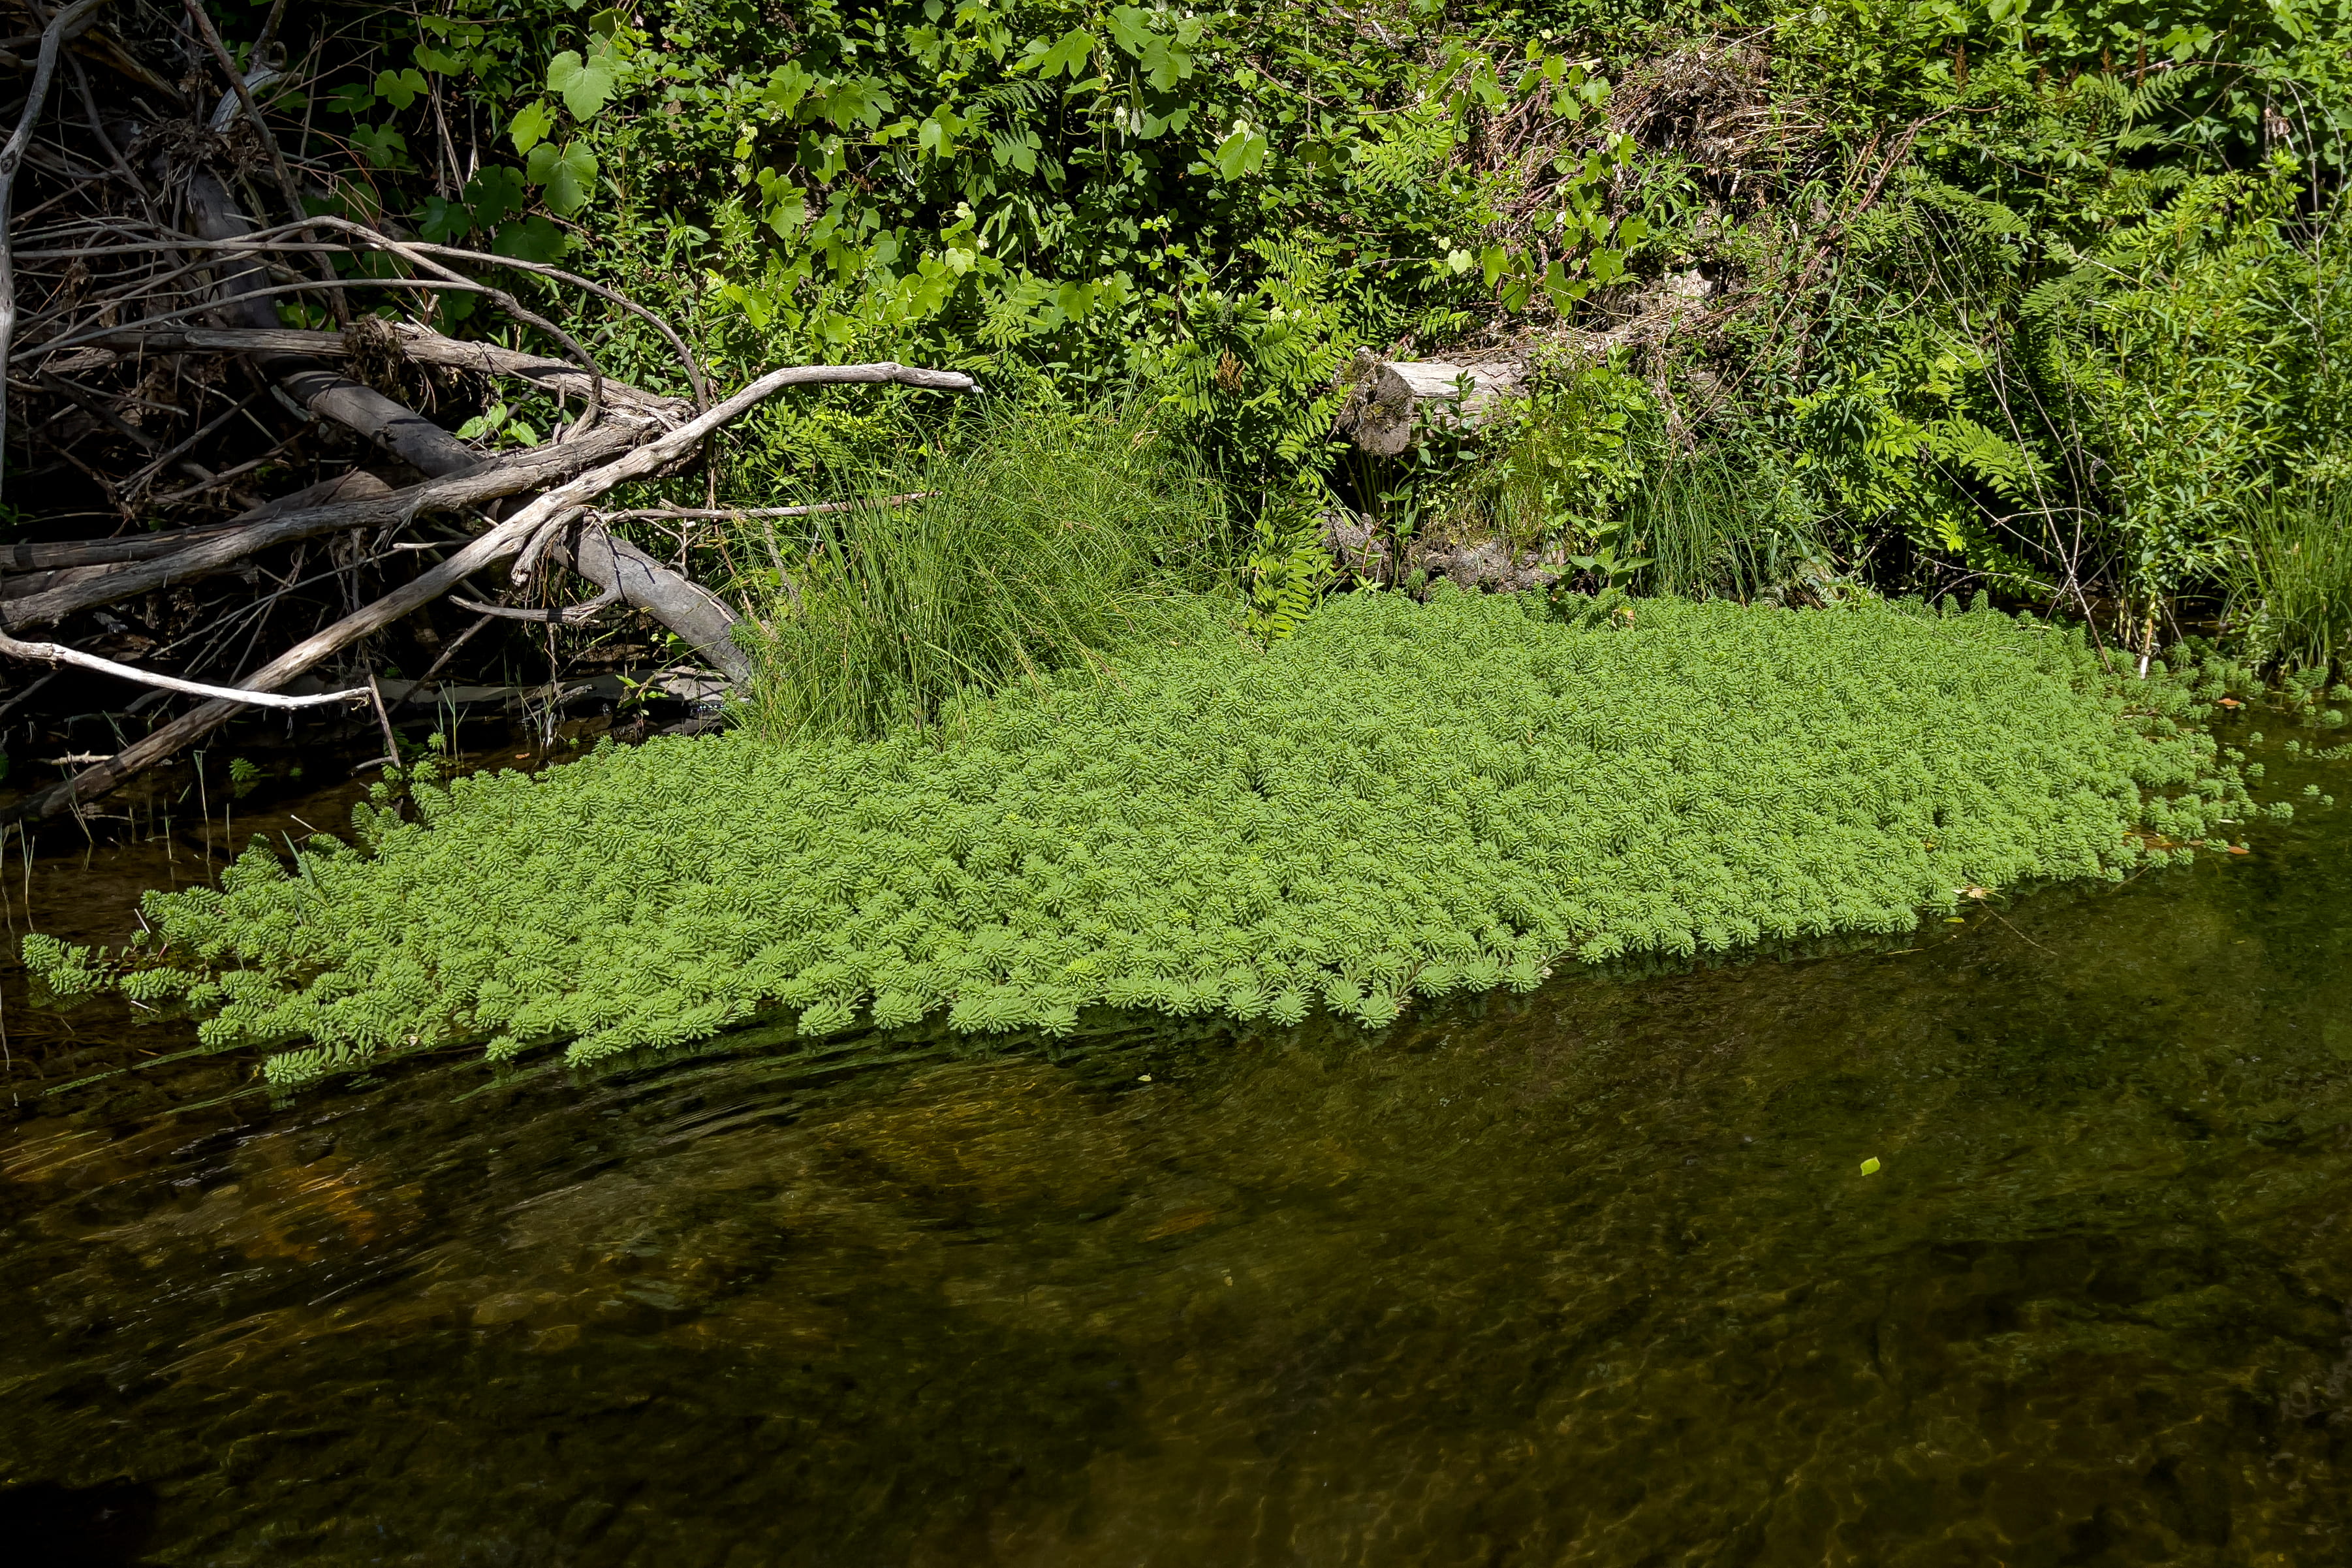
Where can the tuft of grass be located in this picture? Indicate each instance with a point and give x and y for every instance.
(1048, 536)
(2293, 581)
(1714, 524)
(1400, 801)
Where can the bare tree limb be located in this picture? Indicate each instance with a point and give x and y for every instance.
(551, 615)
(628, 574)
(12, 158)
(219, 549)
(57, 653)
(401, 431)
(421, 344)
(727, 513)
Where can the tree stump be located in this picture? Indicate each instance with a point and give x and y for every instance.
(1395, 403)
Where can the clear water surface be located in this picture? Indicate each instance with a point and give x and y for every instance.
(1591, 1277)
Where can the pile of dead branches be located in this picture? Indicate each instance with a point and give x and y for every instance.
(151, 224)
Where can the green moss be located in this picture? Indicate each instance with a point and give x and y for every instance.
(1401, 801)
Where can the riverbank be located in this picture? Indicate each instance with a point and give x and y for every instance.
(1401, 801)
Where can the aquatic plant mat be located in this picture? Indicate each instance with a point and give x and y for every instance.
(1401, 801)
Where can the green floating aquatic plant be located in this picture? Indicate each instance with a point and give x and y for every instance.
(1400, 801)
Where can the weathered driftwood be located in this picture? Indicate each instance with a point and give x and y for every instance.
(1393, 403)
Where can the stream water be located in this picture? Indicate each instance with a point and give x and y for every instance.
(1587, 1277)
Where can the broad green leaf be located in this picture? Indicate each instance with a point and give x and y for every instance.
(586, 86)
(400, 88)
(569, 175)
(441, 222)
(494, 195)
(1870, 1166)
(784, 206)
(787, 85)
(1069, 55)
(486, 423)
(384, 146)
(1165, 64)
(1130, 30)
(531, 239)
(1241, 153)
(530, 125)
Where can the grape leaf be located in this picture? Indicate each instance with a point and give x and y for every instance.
(586, 85)
(532, 124)
(569, 176)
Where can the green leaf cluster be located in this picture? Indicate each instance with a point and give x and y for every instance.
(1397, 801)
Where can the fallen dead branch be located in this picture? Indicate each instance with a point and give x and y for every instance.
(151, 378)
(54, 653)
(729, 513)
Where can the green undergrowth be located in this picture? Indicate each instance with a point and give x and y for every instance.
(1049, 535)
(1401, 801)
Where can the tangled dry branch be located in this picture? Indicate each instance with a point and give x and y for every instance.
(153, 379)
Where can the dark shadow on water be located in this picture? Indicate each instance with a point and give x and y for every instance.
(77, 1527)
(1593, 1276)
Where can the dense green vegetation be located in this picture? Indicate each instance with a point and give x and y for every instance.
(1044, 537)
(2039, 295)
(1827, 305)
(1403, 800)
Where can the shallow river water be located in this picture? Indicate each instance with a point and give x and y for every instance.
(1588, 1276)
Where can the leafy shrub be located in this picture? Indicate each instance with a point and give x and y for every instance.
(1399, 801)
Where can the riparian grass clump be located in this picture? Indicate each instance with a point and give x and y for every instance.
(1401, 801)
(1044, 535)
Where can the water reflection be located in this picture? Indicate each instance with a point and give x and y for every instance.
(1590, 1277)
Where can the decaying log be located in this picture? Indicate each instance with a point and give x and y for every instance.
(1393, 403)
(628, 576)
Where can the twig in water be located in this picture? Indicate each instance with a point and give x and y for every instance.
(391, 741)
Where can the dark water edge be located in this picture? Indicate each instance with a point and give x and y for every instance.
(1587, 1277)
